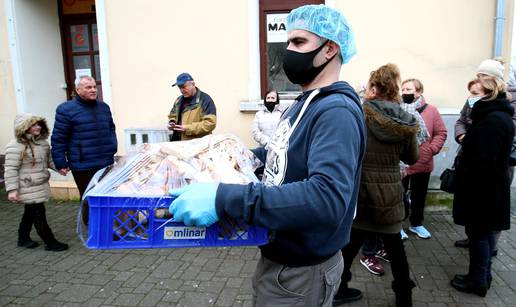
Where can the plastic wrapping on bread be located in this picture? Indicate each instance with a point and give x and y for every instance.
(155, 169)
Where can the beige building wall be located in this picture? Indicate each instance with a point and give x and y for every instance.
(41, 57)
(440, 42)
(208, 39)
(34, 51)
(7, 96)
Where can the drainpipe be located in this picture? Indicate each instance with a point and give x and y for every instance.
(14, 48)
(499, 23)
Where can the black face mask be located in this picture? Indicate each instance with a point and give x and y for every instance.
(299, 67)
(270, 105)
(408, 98)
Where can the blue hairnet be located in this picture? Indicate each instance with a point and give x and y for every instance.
(325, 22)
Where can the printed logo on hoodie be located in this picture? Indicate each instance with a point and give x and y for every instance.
(277, 161)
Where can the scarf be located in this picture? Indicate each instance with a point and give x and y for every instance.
(422, 134)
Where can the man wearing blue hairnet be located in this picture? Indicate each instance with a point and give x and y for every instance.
(309, 190)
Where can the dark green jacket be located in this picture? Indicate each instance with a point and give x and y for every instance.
(391, 137)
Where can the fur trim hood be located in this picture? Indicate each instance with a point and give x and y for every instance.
(24, 121)
(388, 122)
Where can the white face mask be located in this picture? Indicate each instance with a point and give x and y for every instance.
(473, 100)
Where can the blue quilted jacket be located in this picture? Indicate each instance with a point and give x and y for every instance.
(84, 135)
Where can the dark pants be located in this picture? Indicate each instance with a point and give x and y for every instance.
(82, 179)
(34, 214)
(394, 247)
(418, 184)
(372, 244)
(481, 245)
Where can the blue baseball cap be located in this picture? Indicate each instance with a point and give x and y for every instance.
(182, 79)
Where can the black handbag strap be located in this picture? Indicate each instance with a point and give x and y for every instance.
(420, 110)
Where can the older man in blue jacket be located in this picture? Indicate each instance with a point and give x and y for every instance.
(84, 138)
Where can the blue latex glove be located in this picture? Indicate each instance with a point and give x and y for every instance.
(195, 204)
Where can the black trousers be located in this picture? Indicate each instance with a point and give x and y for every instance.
(481, 246)
(418, 184)
(34, 214)
(394, 247)
(82, 179)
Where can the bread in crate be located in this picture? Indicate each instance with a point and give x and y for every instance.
(152, 170)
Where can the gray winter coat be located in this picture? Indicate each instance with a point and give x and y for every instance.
(27, 160)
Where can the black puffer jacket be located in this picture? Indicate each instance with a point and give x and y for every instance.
(482, 199)
(391, 137)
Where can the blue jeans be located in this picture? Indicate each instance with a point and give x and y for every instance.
(481, 245)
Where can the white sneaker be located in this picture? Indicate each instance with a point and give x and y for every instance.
(404, 236)
(420, 231)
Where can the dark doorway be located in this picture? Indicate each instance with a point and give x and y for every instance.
(79, 39)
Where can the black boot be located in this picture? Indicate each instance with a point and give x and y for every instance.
(345, 295)
(464, 277)
(464, 243)
(44, 231)
(27, 243)
(56, 246)
(25, 227)
(464, 284)
(403, 292)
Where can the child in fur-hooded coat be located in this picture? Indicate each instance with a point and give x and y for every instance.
(27, 159)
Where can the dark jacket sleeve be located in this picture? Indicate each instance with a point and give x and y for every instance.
(513, 105)
(260, 153)
(319, 201)
(410, 151)
(60, 137)
(113, 132)
(462, 123)
(172, 116)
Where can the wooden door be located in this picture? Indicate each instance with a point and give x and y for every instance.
(80, 43)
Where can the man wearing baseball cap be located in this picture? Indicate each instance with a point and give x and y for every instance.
(309, 191)
(193, 114)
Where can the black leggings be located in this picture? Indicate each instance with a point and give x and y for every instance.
(418, 190)
(393, 245)
(35, 214)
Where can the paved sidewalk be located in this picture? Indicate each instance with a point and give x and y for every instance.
(217, 276)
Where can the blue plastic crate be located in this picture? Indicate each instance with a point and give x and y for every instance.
(130, 222)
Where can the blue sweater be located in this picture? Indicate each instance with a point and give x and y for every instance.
(311, 183)
(84, 135)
